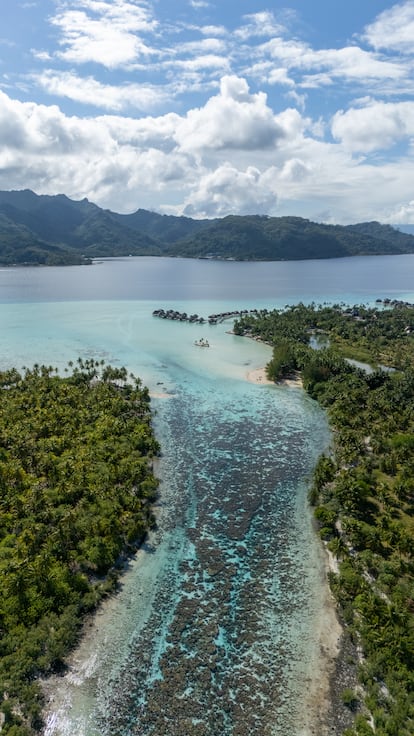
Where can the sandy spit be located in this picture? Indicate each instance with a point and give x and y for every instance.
(259, 376)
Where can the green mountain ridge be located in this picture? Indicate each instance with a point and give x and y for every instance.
(56, 230)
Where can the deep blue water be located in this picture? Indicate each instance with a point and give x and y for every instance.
(186, 279)
(214, 630)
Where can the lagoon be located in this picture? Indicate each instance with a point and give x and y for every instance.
(216, 629)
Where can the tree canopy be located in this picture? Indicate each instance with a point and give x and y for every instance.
(56, 230)
(363, 491)
(76, 486)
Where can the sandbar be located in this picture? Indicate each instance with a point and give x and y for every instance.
(259, 376)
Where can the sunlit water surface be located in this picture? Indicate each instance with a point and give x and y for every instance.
(213, 631)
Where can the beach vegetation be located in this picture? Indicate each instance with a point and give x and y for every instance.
(358, 363)
(76, 493)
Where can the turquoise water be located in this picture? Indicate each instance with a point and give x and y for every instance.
(213, 632)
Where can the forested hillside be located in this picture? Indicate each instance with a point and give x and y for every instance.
(56, 230)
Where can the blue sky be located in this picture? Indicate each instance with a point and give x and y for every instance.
(207, 108)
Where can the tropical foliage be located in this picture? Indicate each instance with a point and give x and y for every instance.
(76, 487)
(364, 491)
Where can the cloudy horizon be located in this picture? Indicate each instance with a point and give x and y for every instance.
(202, 111)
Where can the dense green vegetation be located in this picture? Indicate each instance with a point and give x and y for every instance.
(55, 229)
(76, 489)
(364, 491)
(290, 238)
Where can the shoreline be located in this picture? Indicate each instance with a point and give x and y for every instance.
(160, 395)
(320, 715)
(259, 377)
(324, 713)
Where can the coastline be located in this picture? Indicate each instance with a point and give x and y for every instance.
(319, 717)
(160, 395)
(323, 713)
(259, 377)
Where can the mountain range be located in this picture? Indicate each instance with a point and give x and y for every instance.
(55, 230)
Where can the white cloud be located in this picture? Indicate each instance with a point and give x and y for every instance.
(89, 91)
(402, 214)
(227, 190)
(124, 35)
(41, 55)
(299, 100)
(104, 31)
(117, 162)
(234, 119)
(203, 46)
(231, 154)
(213, 30)
(279, 75)
(376, 126)
(259, 24)
(353, 63)
(393, 29)
(323, 66)
(294, 170)
(197, 63)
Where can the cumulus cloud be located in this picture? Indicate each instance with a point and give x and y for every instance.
(203, 46)
(124, 35)
(213, 30)
(260, 24)
(234, 119)
(125, 161)
(231, 154)
(227, 190)
(404, 213)
(354, 63)
(393, 29)
(378, 125)
(113, 161)
(323, 66)
(104, 31)
(44, 131)
(197, 63)
(294, 170)
(89, 91)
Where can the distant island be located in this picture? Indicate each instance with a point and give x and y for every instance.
(55, 230)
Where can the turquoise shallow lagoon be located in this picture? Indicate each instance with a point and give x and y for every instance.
(215, 631)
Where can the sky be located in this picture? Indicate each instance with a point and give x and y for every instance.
(207, 108)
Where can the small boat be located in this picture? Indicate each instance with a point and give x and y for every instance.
(202, 343)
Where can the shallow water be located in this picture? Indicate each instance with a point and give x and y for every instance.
(217, 637)
(213, 631)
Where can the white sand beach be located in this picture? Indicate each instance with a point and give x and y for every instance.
(258, 376)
